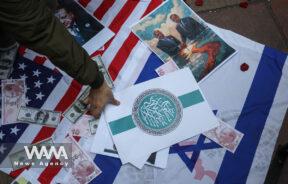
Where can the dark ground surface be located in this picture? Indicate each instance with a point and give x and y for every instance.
(265, 22)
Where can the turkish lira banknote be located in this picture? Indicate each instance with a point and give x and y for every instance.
(13, 97)
(104, 71)
(167, 67)
(84, 169)
(225, 135)
(78, 108)
(39, 116)
(20, 159)
(86, 126)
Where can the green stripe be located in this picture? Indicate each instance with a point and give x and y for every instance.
(190, 99)
(121, 125)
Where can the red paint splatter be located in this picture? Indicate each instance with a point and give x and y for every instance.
(244, 67)
(199, 2)
(243, 4)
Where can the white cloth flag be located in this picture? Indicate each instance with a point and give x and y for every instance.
(155, 114)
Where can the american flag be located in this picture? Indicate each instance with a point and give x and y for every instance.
(51, 88)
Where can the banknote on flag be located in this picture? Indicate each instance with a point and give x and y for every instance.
(13, 97)
(39, 116)
(84, 169)
(155, 115)
(78, 108)
(107, 77)
(86, 126)
(225, 135)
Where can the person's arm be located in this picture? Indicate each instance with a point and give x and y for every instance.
(34, 25)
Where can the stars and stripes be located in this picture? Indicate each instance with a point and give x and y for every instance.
(40, 81)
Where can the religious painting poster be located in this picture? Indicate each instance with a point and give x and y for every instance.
(176, 33)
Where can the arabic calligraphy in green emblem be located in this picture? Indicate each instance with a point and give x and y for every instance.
(157, 111)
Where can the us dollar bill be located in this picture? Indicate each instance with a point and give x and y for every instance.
(39, 116)
(20, 159)
(93, 124)
(102, 69)
(78, 108)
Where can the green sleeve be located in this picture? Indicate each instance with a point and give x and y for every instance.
(33, 25)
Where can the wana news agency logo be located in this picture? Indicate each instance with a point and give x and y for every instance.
(38, 156)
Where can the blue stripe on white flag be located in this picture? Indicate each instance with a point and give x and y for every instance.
(109, 166)
(148, 71)
(235, 167)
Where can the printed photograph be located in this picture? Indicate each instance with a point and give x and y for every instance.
(85, 28)
(175, 33)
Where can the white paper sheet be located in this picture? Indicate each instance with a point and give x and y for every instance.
(139, 141)
(103, 144)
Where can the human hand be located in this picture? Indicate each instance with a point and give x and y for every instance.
(183, 46)
(98, 98)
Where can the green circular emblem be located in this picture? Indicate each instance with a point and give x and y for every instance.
(157, 111)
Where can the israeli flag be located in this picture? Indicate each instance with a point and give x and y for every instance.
(254, 101)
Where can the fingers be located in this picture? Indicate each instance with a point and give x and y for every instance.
(96, 112)
(114, 101)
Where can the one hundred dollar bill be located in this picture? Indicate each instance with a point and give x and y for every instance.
(39, 116)
(102, 68)
(78, 108)
(225, 135)
(13, 97)
(20, 159)
(93, 124)
(84, 169)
